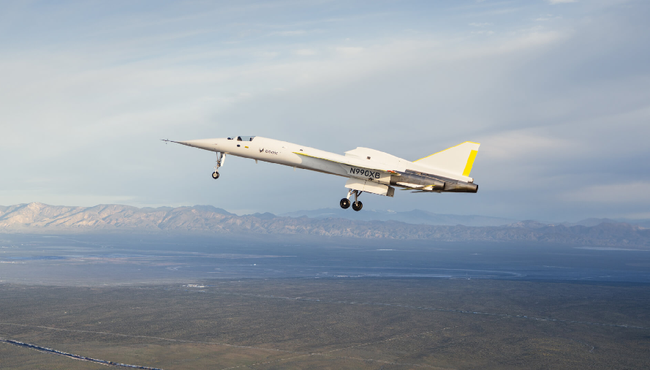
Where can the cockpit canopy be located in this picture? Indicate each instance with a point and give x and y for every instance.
(242, 138)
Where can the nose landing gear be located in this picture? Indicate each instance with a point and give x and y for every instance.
(221, 157)
(356, 205)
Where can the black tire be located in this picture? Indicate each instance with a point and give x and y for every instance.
(357, 206)
(215, 175)
(345, 203)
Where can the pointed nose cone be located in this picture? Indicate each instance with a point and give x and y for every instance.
(207, 144)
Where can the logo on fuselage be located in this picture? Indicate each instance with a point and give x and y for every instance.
(268, 151)
(365, 173)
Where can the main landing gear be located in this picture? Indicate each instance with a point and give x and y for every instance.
(221, 157)
(356, 205)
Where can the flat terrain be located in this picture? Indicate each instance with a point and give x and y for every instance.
(346, 323)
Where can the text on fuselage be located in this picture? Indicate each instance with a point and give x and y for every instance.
(364, 172)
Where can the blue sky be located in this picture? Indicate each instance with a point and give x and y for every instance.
(557, 93)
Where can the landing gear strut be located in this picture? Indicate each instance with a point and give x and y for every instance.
(356, 205)
(221, 157)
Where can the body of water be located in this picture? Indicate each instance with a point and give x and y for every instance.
(136, 259)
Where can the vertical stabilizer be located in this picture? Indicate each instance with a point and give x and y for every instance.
(457, 159)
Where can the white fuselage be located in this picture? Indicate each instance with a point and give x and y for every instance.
(361, 163)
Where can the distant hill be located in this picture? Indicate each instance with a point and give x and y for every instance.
(416, 216)
(43, 218)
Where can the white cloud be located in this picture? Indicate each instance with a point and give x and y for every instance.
(562, 1)
(268, 54)
(306, 52)
(526, 145)
(349, 50)
(547, 18)
(483, 33)
(534, 38)
(290, 33)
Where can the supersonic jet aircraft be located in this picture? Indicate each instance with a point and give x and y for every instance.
(368, 170)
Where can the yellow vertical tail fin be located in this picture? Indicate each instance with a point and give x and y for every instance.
(458, 159)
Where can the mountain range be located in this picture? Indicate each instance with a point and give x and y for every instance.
(43, 218)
